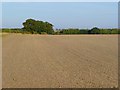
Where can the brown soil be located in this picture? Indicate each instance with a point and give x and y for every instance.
(60, 61)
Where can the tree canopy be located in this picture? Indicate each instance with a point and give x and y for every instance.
(33, 26)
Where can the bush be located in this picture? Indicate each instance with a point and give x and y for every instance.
(12, 30)
(43, 33)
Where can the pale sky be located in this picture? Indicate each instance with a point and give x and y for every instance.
(61, 14)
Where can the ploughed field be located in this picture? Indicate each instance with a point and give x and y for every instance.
(59, 61)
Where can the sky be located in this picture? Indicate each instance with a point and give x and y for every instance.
(61, 14)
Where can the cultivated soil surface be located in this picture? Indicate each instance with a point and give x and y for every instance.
(59, 61)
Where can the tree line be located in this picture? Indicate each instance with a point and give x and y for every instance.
(94, 30)
(39, 27)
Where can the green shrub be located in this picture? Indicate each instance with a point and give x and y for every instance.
(43, 33)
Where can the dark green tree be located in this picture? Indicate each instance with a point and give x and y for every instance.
(95, 30)
(33, 26)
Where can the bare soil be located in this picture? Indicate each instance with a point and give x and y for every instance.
(59, 61)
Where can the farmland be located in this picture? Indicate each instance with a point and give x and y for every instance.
(59, 61)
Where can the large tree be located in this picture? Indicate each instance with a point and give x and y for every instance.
(95, 30)
(33, 26)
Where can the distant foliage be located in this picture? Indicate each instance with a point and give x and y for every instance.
(94, 30)
(34, 27)
(31, 26)
(70, 31)
(15, 30)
